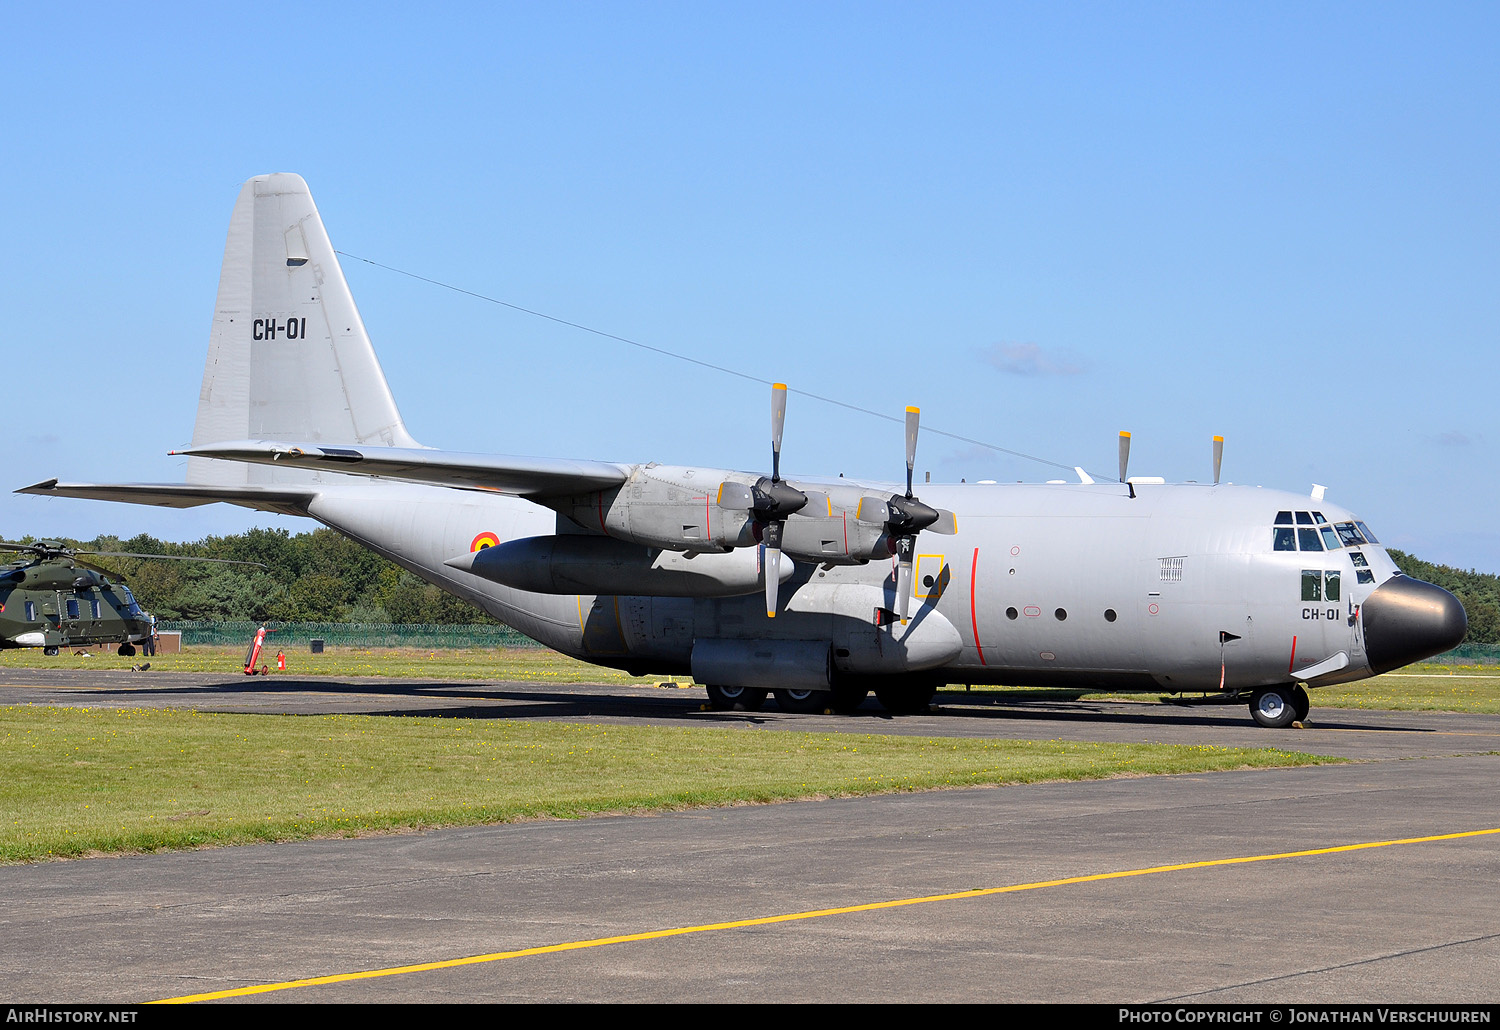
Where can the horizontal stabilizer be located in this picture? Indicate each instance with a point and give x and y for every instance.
(284, 500)
(524, 477)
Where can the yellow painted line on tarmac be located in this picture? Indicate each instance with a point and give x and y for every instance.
(681, 931)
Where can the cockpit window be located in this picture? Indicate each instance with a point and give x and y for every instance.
(1366, 531)
(1286, 537)
(1304, 518)
(1350, 535)
(1307, 539)
(1318, 516)
(1330, 538)
(1283, 518)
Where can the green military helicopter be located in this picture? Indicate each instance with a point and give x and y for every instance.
(55, 599)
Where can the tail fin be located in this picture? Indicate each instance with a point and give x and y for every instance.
(288, 358)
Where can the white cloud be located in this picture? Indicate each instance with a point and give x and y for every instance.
(1029, 359)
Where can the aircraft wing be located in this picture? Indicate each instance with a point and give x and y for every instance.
(523, 477)
(287, 500)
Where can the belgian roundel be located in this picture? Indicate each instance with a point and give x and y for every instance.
(484, 540)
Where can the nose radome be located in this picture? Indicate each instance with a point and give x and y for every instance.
(1407, 620)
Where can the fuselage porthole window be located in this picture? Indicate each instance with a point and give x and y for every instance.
(1109, 615)
(1012, 614)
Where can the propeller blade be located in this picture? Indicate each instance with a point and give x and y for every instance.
(1124, 453)
(772, 567)
(913, 420)
(946, 524)
(872, 510)
(735, 497)
(905, 548)
(1218, 457)
(778, 421)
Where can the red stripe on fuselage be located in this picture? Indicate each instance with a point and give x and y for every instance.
(974, 612)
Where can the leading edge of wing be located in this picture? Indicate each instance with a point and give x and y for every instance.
(287, 500)
(524, 477)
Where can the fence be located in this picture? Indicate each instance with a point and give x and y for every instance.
(348, 634)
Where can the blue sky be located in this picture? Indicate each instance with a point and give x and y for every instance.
(1041, 223)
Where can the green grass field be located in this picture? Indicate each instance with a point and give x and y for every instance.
(79, 781)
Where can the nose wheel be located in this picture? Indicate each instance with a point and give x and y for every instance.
(1278, 707)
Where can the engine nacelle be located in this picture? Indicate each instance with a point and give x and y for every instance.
(669, 506)
(602, 565)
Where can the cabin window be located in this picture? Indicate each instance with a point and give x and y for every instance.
(1359, 560)
(1062, 614)
(94, 604)
(1308, 539)
(30, 611)
(1364, 576)
(1286, 539)
(72, 604)
(1109, 615)
(1011, 613)
(1312, 584)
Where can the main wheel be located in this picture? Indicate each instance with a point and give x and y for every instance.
(725, 699)
(847, 699)
(50, 652)
(127, 650)
(905, 699)
(1274, 707)
(1301, 703)
(804, 701)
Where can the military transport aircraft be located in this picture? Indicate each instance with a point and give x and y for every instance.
(818, 591)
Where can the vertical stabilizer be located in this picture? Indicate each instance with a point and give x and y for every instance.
(288, 358)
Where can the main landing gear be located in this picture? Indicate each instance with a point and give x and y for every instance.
(1278, 707)
(726, 699)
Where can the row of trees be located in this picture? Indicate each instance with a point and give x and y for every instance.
(325, 577)
(320, 576)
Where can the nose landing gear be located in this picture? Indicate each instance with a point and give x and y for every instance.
(1278, 707)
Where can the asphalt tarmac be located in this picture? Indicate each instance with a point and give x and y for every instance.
(1372, 881)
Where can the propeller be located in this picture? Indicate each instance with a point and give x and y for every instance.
(1124, 454)
(769, 501)
(904, 516)
(1218, 457)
